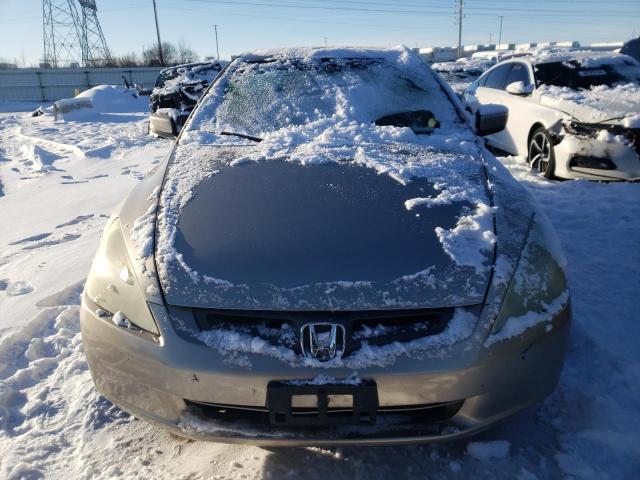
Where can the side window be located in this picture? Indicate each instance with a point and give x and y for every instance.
(483, 79)
(497, 77)
(519, 73)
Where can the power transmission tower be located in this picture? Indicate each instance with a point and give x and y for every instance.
(94, 47)
(60, 28)
(459, 9)
(71, 37)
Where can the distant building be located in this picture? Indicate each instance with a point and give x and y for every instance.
(450, 54)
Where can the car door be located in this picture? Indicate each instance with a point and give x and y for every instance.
(490, 90)
(521, 109)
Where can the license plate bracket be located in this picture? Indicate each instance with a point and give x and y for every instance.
(362, 412)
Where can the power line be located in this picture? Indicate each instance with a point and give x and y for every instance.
(421, 11)
(302, 20)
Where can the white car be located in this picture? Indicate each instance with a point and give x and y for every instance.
(572, 114)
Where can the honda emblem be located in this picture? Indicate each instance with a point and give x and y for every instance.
(323, 341)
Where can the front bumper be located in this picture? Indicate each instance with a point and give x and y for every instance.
(625, 159)
(162, 381)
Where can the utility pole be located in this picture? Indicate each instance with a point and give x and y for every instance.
(489, 38)
(460, 7)
(155, 13)
(215, 27)
(500, 34)
(325, 41)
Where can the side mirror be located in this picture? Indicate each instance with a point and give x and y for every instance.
(162, 125)
(491, 119)
(519, 88)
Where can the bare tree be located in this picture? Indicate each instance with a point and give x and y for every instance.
(185, 53)
(130, 59)
(151, 55)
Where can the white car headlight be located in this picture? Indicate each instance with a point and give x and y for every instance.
(539, 279)
(113, 286)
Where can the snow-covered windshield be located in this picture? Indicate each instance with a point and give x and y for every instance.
(575, 75)
(257, 97)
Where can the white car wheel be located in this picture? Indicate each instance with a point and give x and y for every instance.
(541, 154)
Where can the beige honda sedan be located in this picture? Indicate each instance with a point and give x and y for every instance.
(328, 256)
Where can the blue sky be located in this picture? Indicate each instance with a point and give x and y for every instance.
(248, 24)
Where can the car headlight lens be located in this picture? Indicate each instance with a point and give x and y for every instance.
(583, 129)
(112, 284)
(539, 278)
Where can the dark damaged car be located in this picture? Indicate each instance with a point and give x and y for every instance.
(176, 92)
(328, 256)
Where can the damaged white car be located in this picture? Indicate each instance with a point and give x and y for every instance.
(572, 114)
(328, 256)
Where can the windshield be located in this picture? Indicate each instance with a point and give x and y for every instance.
(576, 76)
(257, 97)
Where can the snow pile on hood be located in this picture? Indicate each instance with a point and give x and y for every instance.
(468, 242)
(618, 104)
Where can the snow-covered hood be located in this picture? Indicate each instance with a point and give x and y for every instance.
(379, 226)
(615, 105)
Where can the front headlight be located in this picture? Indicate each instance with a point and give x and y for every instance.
(583, 129)
(112, 284)
(539, 279)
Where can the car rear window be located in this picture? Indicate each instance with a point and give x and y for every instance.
(574, 75)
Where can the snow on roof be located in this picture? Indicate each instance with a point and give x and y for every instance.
(191, 66)
(330, 52)
(587, 58)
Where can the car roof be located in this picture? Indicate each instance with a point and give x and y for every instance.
(189, 65)
(586, 57)
(309, 53)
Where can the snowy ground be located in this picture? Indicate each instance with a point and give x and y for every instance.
(59, 182)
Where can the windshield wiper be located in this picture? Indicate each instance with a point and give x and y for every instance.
(240, 135)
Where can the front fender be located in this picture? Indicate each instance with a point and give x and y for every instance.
(137, 213)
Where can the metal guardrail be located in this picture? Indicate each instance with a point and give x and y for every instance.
(50, 84)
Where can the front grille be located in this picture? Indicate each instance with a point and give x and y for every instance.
(599, 163)
(259, 416)
(373, 327)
